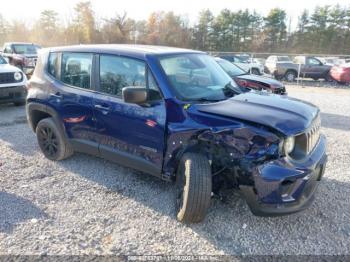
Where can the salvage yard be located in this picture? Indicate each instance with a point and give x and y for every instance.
(87, 205)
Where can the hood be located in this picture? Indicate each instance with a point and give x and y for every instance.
(261, 79)
(6, 68)
(286, 115)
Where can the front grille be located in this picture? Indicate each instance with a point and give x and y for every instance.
(313, 135)
(7, 78)
(306, 142)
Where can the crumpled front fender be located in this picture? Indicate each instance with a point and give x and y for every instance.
(227, 147)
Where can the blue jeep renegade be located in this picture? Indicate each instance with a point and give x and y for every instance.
(176, 114)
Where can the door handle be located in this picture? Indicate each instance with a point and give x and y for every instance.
(101, 107)
(57, 95)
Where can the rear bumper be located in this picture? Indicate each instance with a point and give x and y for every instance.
(12, 94)
(283, 187)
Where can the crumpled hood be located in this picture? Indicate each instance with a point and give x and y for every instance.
(261, 79)
(287, 115)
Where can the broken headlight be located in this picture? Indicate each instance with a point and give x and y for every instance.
(289, 144)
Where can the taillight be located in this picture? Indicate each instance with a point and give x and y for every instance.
(242, 83)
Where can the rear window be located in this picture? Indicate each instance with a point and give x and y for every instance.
(76, 69)
(53, 66)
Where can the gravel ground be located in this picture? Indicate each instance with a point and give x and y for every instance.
(85, 205)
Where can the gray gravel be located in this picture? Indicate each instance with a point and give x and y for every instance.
(86, 205)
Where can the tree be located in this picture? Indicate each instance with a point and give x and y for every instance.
(84, 23)
(3, 29)
(203, 31)
(46, 30)
(275, 29)
(118, 29)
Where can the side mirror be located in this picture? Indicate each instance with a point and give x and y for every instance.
(135, 94)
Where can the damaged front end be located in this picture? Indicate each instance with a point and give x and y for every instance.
(248, 157)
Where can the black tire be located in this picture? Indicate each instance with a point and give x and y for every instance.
(20, 103)
(255, 71)
(194, 187)
(328, 78)
(51, 141)
(315, 78)
(290, 76)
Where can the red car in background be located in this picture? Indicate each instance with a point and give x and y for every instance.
(341, 73)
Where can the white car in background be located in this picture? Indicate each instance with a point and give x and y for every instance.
(12, 84)
(249, 65)
(330, 60)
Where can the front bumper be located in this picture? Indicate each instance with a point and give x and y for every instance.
(12, 94)
(284, 186)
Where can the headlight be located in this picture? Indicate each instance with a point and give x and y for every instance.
(18, 76)
(289, 144)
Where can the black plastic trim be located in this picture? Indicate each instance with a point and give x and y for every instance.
(129, 160)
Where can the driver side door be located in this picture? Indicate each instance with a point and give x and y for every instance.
(130, 134)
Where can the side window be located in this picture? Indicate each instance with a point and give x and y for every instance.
(313, 61)
(118, 72)
(53, 65)
(76, 69)
(8, 49)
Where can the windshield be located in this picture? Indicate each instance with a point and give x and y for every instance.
(25, 49)
(231, 69)
(2, 60)
(198, 77)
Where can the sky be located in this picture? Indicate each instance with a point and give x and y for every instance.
(140, 9)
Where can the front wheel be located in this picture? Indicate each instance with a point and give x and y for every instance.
(290, 76)
(328, 78)
(51, 141)
(194, 187)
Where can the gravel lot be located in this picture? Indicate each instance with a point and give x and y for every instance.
(86, 205)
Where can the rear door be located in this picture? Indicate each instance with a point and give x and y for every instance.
(130, 134)
(71, 94)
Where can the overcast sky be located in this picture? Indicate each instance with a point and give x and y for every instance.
(140, 9)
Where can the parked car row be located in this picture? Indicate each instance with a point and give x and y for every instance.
(302, 66)
(284, 68)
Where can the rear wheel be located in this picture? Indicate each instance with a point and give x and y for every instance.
(194, 187)
(51, 142)
(290, 76)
